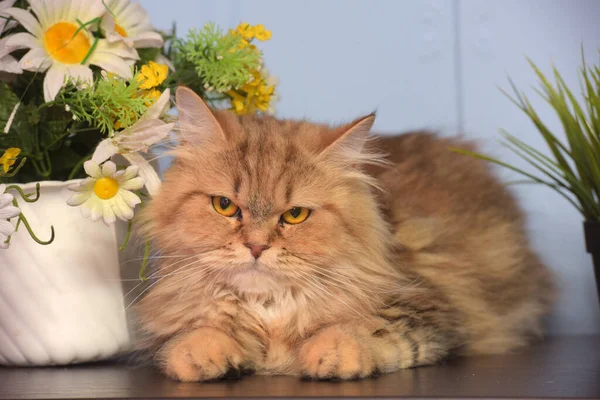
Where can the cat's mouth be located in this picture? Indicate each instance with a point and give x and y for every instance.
(258, 266)
(256, 277)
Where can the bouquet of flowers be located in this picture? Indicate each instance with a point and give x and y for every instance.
(81, 81)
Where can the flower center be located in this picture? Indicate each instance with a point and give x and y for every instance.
(106, 188)
(119, 29)
(62, 46)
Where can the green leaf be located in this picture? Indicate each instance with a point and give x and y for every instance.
(573, 170)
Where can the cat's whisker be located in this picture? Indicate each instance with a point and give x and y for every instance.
(337, 298)
(193, 278)
(355, 282)
(152, 285)
(154, 258)
(143, 291)
(216, 278)
(323, 271)
(167, 267)
(151, 276)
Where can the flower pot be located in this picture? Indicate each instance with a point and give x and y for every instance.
(592, 243)
(61, 303)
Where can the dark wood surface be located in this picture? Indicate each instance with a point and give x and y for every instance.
(566, 367)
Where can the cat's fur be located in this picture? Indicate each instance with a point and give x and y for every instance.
(398, 265)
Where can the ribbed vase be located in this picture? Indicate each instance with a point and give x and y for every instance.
(61, 303)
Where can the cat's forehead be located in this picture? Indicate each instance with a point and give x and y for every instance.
(268, 173)
(272, 167)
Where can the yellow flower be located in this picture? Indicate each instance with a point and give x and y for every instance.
(152, 75)
(151, 96)
(245, 30)
(249, 32)
(254, 95)
(261, 33)
(9, 158)
(237, 102)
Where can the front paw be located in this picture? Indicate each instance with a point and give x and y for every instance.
(201, 355)
(334, 353)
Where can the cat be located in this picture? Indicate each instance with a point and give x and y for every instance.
(288, 247)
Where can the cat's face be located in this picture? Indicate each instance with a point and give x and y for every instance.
(260, 203)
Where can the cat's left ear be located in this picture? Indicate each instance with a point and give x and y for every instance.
(350, 138)
(196, 120)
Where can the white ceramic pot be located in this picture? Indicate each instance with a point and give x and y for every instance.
(61, 303)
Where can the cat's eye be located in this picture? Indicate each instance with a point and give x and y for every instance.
(295, 215)
(225, 206)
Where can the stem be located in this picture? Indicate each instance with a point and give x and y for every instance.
(92, 48)
(29, 84)
(48, 163)
(18, 224)
(14, 171)
(27, 197)
(145, 261)
(77, 167)
(37, 167)
(108, 9)
(49, 104)
(127, 236)
(68, 133)
(84, 25)
(30, 231)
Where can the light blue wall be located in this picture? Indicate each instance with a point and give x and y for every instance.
(430, 64)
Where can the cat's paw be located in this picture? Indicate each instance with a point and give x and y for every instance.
(201, 355)
(335, 354)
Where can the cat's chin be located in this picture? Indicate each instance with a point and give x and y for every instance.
(256, 278)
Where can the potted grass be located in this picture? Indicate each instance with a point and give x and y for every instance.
(85, 90)
(572, 166)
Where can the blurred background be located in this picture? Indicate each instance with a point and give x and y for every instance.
(435, 64)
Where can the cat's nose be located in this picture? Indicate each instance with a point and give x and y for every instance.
(256, 249)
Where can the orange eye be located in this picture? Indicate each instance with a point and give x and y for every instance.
(224, 206)
(295, 215)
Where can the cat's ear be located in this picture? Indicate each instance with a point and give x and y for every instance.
(349, 139)
(196, 120)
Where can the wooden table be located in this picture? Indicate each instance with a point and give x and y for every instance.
(567, 367)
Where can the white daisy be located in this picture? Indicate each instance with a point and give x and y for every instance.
(7, 62)
(147, 131)
(56, 49)
(7, 211)
(5, 24)
(107, 193)
(128, 22)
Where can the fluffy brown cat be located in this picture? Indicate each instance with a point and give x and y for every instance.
(294, 248)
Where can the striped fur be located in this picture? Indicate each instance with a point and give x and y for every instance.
(400, 263)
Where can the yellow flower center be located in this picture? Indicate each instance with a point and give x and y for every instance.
(62, 46)
(106, 188)
(119, 29)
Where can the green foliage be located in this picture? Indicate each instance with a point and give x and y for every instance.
(108, 102)
(220, 61)
(56, 137)
(21, 126)
(573, 170)
(53, 143)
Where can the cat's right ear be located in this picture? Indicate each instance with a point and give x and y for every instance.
(196, 121)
